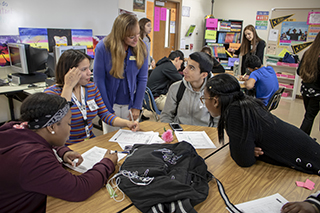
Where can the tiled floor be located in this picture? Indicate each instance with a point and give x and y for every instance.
(288, 110)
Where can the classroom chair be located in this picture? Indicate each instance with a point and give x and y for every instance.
(275, 99)
(150, 104)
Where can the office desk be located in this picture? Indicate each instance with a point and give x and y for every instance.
(101, 201)
(11, 91)
(245, 184)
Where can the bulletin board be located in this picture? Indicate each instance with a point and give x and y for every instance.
(293, 29)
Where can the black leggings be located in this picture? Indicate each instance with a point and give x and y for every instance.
(312, 107)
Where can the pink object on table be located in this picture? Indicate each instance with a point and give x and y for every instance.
(300, 184)
(167, 136)
(309, 184)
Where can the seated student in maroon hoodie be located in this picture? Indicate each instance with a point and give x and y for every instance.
(29, 168)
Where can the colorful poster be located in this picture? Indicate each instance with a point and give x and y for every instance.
(83, 37)
(313, 18)
(36, 37)
(59, 37)
(210, 34)
(293, 33)
(211, 23)
(96, 39)
(262, 20)
(313, 32)
(4, 53)
(139, 5)
(163, 16)
(156, 19)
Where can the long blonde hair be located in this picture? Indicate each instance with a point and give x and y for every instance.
(123, 27)
(245, 45)
(309, 68)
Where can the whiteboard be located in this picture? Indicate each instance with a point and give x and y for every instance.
(97, 15)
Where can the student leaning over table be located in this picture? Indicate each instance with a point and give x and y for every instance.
(190, 110)
(29, 167)
(249, 125)
(73, 83)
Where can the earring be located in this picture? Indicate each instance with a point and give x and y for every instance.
(53, 132)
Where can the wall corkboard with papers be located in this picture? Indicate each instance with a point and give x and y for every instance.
(292, 29)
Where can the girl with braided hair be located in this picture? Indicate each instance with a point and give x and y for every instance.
(254, 133)
(30, 168)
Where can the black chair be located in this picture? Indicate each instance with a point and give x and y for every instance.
(150, 104)
(275, 99)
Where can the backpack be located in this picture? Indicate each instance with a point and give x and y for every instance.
(179, 95)
(164, 177)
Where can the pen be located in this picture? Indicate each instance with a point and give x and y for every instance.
(123, 152)
(244, 75)
(278, 200)
(131, 115)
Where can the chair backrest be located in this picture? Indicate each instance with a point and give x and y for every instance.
(275, 99)
(149, 103)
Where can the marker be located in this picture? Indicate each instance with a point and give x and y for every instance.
(123, 152)
(244, 75)
(278, 200)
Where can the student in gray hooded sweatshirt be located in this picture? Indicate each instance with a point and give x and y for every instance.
(190, 109)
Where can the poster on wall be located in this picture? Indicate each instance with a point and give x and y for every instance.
(139, 5)
(36, 37)
(83, 37)
(313, 32)
(262, 20)
(293, 33)
(59, 37)
(313, 18)
(4, 53)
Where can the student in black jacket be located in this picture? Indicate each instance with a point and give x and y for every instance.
(310, 205)
(165, 73)
(217, 67)
(249, 125)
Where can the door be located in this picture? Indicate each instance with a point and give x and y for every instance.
(166, 25)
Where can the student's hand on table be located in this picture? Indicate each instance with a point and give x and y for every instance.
(72, 77)
(134, 126)
(301, 207)
(69, 157)
(113, 157)
(258, 151)
(135, 113)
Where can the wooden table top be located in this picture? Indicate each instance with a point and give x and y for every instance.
(101, 201)
(246, 184)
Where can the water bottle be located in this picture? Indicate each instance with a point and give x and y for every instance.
(236, 71)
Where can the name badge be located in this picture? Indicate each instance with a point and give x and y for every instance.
(132, 58)
(92, 105)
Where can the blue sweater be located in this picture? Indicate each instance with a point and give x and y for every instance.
(129, 90)
(266, 83)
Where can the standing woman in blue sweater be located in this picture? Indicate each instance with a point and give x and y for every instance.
(121, 69)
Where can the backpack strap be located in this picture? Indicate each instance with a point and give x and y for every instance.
(225, 198)
(180, 92)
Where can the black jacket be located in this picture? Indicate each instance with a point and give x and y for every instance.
(162, 77)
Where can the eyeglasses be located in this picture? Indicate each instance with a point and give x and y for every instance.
(202, 99)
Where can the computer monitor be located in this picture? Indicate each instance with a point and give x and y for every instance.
(58, 50)
(25, 61)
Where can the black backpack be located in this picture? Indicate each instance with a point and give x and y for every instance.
(164, 177)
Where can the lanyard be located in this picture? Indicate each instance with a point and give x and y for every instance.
(83, 110)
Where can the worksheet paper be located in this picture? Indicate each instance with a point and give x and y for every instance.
(198, 139)
(90, 158)
(127, 137)
(268, 204)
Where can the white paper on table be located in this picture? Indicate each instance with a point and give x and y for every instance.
(268, 204)
(90, 158)
(128, 136)
(155, 139)
(198, 139)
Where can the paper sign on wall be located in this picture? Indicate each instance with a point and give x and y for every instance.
(156, 18)
(211, 23)
(231, 61)
(163, 14)
(210, 34)
(234, 46)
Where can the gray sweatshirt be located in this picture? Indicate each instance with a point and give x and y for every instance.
(190, 110)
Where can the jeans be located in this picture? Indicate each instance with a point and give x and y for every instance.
(312, 107)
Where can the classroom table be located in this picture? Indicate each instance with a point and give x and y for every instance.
(101, 201)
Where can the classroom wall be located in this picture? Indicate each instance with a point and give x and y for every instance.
(246, 10)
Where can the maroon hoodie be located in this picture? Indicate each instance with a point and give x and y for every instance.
(30, 171)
